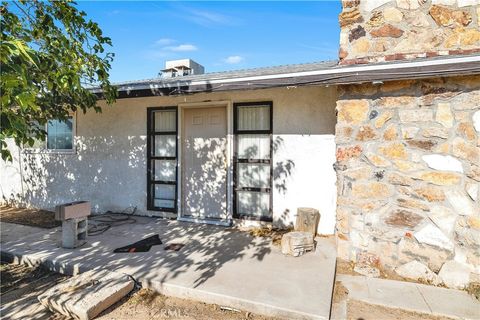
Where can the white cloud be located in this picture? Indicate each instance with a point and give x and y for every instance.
(205, 18)
(164, 41)
(113, 12)
(233, 59)
(208, 17)
(181, 48)
(160, 51)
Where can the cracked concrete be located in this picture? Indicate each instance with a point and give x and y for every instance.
(217, 265)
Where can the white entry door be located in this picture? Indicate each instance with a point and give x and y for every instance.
(204, 163)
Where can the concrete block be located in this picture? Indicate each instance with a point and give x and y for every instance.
(307, 220)
(74, 232)
(72, 210)
(86, 295)
(297, 243)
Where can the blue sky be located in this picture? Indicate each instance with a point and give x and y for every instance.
(219, 35)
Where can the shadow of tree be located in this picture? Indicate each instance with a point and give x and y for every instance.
(206, 250)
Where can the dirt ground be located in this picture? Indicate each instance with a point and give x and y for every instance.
(20, 286)
(29, 217)
(347, 267)
(147, 304)
(357, 310)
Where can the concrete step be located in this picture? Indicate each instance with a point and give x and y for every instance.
(86, 295)
(410, 296)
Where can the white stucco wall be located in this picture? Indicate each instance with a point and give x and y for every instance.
(109, 165)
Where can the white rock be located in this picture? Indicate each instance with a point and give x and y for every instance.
(443, 218)
(444, 2)
(297, 243)
(460, 255)
(464, 3)
(408, 4)
(420, 20)
(455, 274)
(372, 4)
(367, 271)
(415, 270)
(476, 121)
(392, 15)
(409, 132)
(433, 236)
(359, 239)
(462, 204)
(472, 190)
(443, 163)
(444, 115)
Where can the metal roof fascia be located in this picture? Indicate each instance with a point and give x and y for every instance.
(332, 71)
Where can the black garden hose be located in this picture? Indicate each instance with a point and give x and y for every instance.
(100, 223)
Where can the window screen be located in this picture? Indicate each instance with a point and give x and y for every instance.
(253, 166)
(162, 159)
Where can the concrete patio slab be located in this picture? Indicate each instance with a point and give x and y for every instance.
(216, 265)
(411, 296)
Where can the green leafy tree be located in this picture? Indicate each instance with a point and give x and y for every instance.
(50, 55)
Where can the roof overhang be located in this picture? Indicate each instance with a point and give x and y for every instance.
(337, 75)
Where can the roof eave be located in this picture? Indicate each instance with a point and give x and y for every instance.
(426, 68)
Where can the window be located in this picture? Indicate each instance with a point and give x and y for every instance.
(253, 160)
(59, 135)
(162, 159)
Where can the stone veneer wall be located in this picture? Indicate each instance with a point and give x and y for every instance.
(383, 30)
(408, 169)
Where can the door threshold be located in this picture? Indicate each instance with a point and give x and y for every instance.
(224, 223)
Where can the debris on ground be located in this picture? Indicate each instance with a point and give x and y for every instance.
(297, 243)
(267, 232)
(174, 246)
(143, 245)
(20, 287)
(474, 289)
(29, 217)
(86, 295)
(148, 304)
(351, 268)
(25, 284)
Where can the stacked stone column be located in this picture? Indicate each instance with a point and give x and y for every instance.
(408, 168)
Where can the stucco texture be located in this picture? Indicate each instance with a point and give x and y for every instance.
(108, 166)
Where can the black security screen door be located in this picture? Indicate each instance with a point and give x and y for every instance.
(162, 159)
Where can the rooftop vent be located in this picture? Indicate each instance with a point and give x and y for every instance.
(179, 68)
